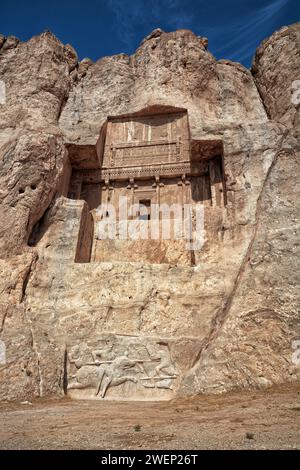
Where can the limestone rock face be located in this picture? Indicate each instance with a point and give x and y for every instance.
(37, 82)
(276, 69)
(172, 69)
(33, 169)
(251, 345)
(129, 330)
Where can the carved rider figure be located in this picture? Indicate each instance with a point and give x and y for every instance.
(115, 373)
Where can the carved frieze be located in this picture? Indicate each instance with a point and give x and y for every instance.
(121, 367)
(161, 139)
(138, 154)
(145, 171)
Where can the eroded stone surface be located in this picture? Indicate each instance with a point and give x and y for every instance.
(226, 322)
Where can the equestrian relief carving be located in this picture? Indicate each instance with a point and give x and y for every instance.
(97, 369)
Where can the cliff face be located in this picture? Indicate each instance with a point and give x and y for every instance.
(275, 67)
(169, 69)
(228, 322)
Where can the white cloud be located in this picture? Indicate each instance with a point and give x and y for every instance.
(246, 31)
(238, 37)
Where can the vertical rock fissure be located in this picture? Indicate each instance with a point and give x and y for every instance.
(3, 319)
(26, 278)
(37, 355)
(261, 97)
(65, 372)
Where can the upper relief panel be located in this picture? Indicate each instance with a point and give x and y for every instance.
(146, 140)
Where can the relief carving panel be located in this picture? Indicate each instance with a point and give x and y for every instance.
(161, 139)
(121, 367)
(124, 155)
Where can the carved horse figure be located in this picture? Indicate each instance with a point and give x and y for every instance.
(115, 373)
(87, 375)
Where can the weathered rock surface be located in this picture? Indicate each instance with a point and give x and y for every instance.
(36, 76)
(227, 322)
(169, 69)
(275, 68)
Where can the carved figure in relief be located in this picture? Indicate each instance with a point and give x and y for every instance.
(164, 372)
(165, 366)
(111, 367)
(115, 373)
(104, 353)
(87, 375)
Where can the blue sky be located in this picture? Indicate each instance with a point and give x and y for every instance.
(97, 28)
